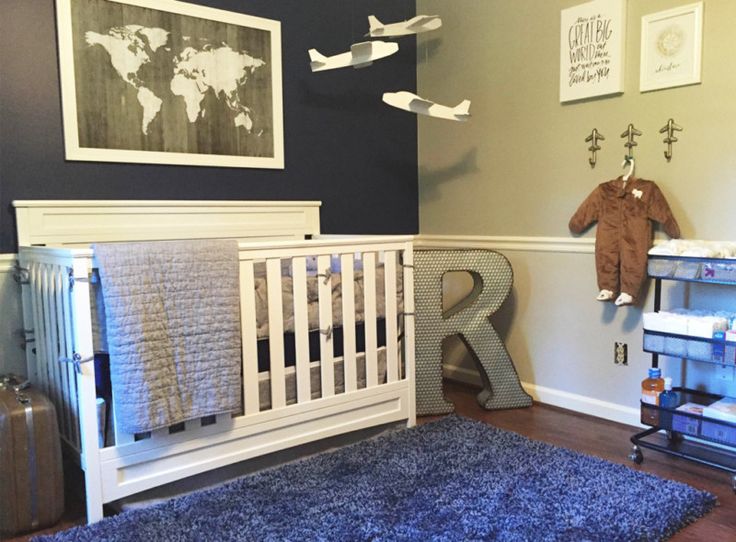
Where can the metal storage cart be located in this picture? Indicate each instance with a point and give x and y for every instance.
(714, 440)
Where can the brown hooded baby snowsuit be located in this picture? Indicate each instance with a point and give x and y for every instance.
(624, 236)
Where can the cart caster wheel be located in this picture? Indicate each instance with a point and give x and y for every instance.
(733, 483)
(637, 457)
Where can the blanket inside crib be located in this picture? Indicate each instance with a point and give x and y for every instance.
(173, 329)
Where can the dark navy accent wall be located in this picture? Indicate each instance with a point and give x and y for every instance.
(343, 146)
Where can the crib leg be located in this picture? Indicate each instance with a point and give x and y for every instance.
(94, 510)
(93, 491)
(93, 484)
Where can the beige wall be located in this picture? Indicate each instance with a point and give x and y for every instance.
(519, 167)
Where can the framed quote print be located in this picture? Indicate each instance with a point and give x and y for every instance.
(592, 43)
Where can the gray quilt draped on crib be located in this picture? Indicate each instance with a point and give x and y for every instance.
(173, 328)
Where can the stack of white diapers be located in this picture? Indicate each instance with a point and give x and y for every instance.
(690, 323)
(695, 249)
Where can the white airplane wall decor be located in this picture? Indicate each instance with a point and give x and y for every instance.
(413, 103)
(415, 25)
(360, 55)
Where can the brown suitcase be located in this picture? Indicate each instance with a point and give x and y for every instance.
(31, 475)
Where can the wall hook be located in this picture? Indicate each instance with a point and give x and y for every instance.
(629, 134)
(670, 128)
(594, 137)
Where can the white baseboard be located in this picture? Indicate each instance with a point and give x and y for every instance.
(563, 399)
(585, 405)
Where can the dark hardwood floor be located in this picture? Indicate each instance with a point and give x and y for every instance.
(586, 434)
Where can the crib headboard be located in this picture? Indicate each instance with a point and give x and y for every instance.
(82, 222)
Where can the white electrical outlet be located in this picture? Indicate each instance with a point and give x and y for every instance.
(725, 372)
(620, 353)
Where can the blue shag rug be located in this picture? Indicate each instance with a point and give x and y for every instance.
(454, 479)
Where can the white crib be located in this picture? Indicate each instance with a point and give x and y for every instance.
(55, 266)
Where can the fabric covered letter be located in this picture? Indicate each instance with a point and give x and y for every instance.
(493, 278)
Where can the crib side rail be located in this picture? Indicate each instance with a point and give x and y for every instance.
(348, 392)
(388, 252)
(57, 307)
(47, 283)
(354, 370)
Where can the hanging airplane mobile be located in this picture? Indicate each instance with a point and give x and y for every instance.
(360, 55)
(413, 103)
(415, 25)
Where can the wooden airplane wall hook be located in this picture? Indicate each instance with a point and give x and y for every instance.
(670, 128)
(594, 137)
(629, 134)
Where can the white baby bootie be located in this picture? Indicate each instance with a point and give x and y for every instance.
(624, 299)
(604, 295)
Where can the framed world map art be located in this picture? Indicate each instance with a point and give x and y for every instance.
(168, 82)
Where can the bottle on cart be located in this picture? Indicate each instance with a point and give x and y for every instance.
(669, 398)
(651, 388)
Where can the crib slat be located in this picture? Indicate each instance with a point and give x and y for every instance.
(326, 350)
(371, 335)
(121, 437)
(38, 325)
(64, 345)
(48, 345)
(409, 331)
(276, 333)
(160, 435)
(58, 350)
(64, 419)
(69, 352)
(392, 331)
(347, 266)
(32, 295)
(40, 331)
(301, 329)
(48, 311)
(248, 327)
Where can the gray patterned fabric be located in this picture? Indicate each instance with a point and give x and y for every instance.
(493, 278)
(315, 379)
(99, 333)
(173, 328)
(287, 294)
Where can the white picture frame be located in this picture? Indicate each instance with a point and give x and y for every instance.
(671, 48)
(592, 49)
(168, 82)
